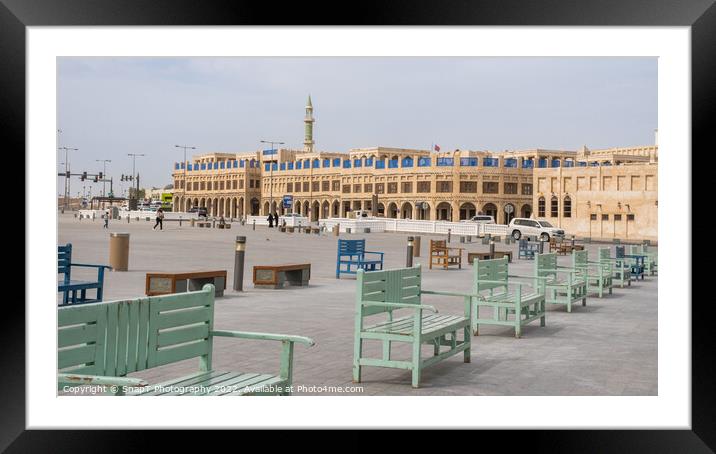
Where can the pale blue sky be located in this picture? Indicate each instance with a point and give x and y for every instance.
(108, 107)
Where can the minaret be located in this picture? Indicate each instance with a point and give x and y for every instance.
(308, 141)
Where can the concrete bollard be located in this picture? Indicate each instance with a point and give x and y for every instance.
(239, 263)
(492, 249)
(409, 253)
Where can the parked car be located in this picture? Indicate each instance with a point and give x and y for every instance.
(483, 218)
(200, 210)
(534, 227)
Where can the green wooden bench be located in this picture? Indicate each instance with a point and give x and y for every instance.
(386, 291)
(100, 343)
(598, 274)
(563, 285)
(651, 257)
(516, 306)
(621, 270)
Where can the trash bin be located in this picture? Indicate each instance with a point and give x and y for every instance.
(119, 251)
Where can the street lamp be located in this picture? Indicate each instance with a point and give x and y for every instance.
(67, 169)
(185, 147)
(104, 171)
(272, 142)
(134, 156)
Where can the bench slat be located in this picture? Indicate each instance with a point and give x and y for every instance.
(77, 356)
(174, 354)
(182, 335)
(74, 335)
(183, 317)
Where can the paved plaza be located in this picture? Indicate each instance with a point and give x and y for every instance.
(608, 347)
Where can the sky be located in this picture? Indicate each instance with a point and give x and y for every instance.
(109, 107)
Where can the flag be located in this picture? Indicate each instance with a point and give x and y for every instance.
(437, 148)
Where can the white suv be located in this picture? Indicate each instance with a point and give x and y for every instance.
(534, 227)
(482, 218)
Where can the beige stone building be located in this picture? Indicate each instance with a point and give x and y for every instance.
(570, 188)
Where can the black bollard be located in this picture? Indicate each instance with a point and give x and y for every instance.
(239, 263)
(448, 238)
(492, 249)
(254, 224)
(409, 256)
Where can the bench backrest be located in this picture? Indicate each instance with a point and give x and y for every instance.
(64, 261)
(604, 253)
(115, 338)
(546, 265)
(351, 247)
(636, 250)
(489, 270)
(438, 244)
(579, 259)
(528, 245)
(620, 252)
(389, 286)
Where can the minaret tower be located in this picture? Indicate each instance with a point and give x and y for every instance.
(308, 141)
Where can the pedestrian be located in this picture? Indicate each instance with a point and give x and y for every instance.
(270, 220)
(106, 219)
(275, 219)
(160, 219)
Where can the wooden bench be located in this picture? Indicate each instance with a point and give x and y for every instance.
(471, 256)
(68, 287)
(635, 262)
(276, 276)
(99, 344)
(383, 292)
(650, 257)
(203, 224)
(166, 283)
(527, 249)
(563, 285)
(514, 306)
(620, 269)
(444, 256)
(560, 247)
(351, 256)
(598, 274)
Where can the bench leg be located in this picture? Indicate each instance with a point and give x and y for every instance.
(357, 352)
(466, 339)
(416, 364)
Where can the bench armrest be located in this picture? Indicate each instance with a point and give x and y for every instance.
(461, 295)
(525, 276)
(263, 336)
(90, 265)
(566, 269)
(400, 305)
(79, 380)
(485, 281)
(374, 252)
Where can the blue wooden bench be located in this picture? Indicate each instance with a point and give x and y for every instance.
(512, 304)
(564, 285)
(69, 287)
(598, 274)
(621, 271)
(100, 343)
(650, 257)
(383, 292)
(351, 257)
(527, 249)
(635, 262)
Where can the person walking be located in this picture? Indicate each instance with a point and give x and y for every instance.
(160, 219)
(270, 220)
(275, 219)
(106, 219)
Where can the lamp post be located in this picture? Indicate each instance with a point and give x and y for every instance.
(104, 172)
(67, 170)
(272, 142)
(185, 147)
(134, 175)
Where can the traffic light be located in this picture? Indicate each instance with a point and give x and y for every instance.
(67, 174)
(84, 176)
(96, 179)
(100, 175)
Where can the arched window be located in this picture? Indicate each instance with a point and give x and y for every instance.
(541, 207)
(567, 207)
(554, 207)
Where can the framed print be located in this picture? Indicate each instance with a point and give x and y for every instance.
(436, 209)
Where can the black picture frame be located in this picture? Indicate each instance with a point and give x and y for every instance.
(700, 15)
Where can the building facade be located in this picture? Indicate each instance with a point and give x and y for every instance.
(567, 187)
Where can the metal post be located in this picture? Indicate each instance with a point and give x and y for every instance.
(572, 242)
(541, 246)
(179, 220)
(492, 249)
(239, 263)
(448, 238)
(409, 256)
(254, 224)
